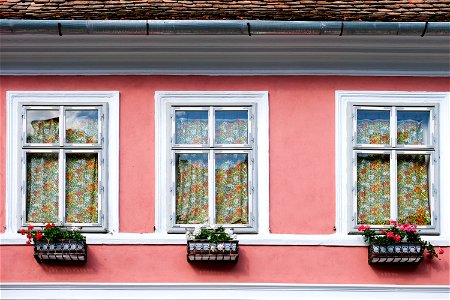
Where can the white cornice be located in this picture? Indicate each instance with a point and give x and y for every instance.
(225, 55)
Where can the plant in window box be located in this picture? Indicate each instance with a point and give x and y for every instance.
(400, 243)
(53, 244)
(206, 243)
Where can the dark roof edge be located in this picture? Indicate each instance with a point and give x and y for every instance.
(222, 27)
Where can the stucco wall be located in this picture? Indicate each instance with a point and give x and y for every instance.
(302, 186)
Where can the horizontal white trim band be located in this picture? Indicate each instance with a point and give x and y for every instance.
(244, 239)
(219, 291)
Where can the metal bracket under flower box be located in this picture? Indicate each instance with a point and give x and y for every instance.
(202, 250)
(398, 253)
(62, 250)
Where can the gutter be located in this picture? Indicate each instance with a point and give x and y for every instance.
(225, 27)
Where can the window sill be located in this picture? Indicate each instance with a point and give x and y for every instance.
(244, 239)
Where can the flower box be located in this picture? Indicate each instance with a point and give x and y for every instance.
(62, 250)
(396, 253)
(204, 250)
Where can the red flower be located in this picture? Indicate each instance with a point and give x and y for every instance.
(393, 222)
(48, 225)
(38, 236)
(28, 242)
(390, 234)
(30, 227)
(441, 251)
(361, 228)
(29, 236)
(397, 238)
(23, 231)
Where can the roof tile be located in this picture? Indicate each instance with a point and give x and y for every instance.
(314, 10)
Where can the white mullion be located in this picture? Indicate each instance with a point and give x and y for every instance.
(212, 187)
(393, 127)
(173, 187)
(62, 126)
(433, 166)
(251, 189)
(355, 189)
(393, 185)
(62, 187)
(211, 167)
(100, 189)
(211, 127)
(24, 185)
(354, 126)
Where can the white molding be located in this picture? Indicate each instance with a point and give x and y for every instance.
(346, 98)
(225, 55)
(13, 102)
(164, 99)
(244, 239)
(230, 291)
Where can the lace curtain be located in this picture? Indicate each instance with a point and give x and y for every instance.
(43, 178)
(373, 175)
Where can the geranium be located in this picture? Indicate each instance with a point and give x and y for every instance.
(51, 233)
(397, 233)
(212, 234)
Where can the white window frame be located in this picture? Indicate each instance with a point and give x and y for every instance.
(16, 101)
(164, 103)
(345, 102)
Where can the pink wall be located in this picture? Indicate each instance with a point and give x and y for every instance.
(302, 185)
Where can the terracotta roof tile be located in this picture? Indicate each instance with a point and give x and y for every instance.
(318, 10)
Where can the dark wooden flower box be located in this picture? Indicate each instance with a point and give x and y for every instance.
(60, 251)
(203, 250)
(398, 253)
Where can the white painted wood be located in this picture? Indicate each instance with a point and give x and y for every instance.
(225, 55)
(244, 239)
(13, 103)
(344, 101)
(229, 291)
(164, 100)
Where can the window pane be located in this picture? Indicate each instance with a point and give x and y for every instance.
(373, 188)
(413, 188)
(42, 126)
(191, 127)
(82, 126)
(413, 127)
(82, 188)
(373, 127)
(42, 188)
(232, 188)
(231, 127)
(191, 188)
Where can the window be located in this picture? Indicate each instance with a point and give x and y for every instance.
(213, 151)
(391, 159)
(63, 147)
(394, 164)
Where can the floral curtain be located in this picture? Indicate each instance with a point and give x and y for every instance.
(83, 131)
(373, 189)
(191, 188)
(232, 188)
(82, 188)
(42, 200)
(44, 131)
(373, 132)
(191, 127)
(413, 189)
(42, 187)
(410, 132)
(231, 131)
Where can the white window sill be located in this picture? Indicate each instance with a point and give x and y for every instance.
(244, 239)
